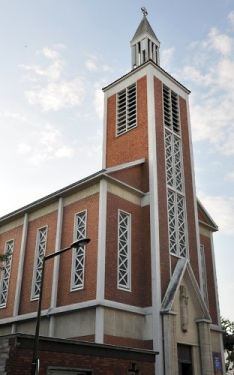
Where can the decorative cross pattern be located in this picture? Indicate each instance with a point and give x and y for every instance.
(4, 283)
(177, 230)
(144, 11)
(174, 174)
(178, 181)
(123, 250)
(40, 253)
(78, 263)
(173, 161)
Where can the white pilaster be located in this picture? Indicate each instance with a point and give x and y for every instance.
(101, 254)
(20, 269)
(53, 301)
(154, 224)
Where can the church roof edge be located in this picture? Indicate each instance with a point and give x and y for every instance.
(139, 68)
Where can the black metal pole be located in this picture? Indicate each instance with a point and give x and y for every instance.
(35, 360)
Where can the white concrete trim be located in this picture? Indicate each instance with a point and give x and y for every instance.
(20, 266)
(126, 194)
(145, 201)
(101, 260)
(99, 325)
(154, 223)
(125, 307)
(79, 306)
(101, 241)
(140, 71)
(120, 167)
(54, 290)
(104, 140)
(125, 185)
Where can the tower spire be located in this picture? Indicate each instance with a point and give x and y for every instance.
(144, 44)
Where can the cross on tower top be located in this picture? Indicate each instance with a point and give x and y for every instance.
(144, 11)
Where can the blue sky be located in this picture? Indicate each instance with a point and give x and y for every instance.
(56, 56)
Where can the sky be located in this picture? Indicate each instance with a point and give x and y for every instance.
(57, 55)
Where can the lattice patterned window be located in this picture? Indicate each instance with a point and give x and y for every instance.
(4, 282)
(204, 276)
(78, 256)
(39, 255)
(174, 174)
(173, 161)
(171, 109)
(126, 109)
(124, 250)
(177, 224)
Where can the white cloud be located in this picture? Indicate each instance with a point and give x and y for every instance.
(51, 91)
(24, 148)
(91, 64)
(209, 74)
(50, 53)
(94, 64)
(220, 42)
(48, 144)
(221, 209)
(58, 95)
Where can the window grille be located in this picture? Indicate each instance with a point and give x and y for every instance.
(78, 261)
(176, 219)
(124, 250)
(4, 283)
(171, 109)
(174, 175)
(173, 161)
(126, 109)
(39, 255)
(204, 277)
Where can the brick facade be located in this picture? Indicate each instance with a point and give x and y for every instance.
(66, 354)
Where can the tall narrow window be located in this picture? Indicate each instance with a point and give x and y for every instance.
(174, 175)
(78, 256)
(126, 109)
(4, 281)
(204, 276)
(39, 255)
(124, 250)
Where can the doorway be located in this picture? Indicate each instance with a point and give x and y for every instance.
(185, 363)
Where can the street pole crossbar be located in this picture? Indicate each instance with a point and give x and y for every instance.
(35, 358)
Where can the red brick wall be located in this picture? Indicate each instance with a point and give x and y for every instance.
(130, 343)
(132, 145)
(26, 305)
(65, 296)
(189, 189)
(103, 361)
(210, 278)
(16, 235)
(162, 188)
(140, 253)
(135, 176)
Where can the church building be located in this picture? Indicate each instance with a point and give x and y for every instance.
(147, 279)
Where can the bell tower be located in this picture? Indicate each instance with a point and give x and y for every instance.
(147, 146)
(145, 44)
